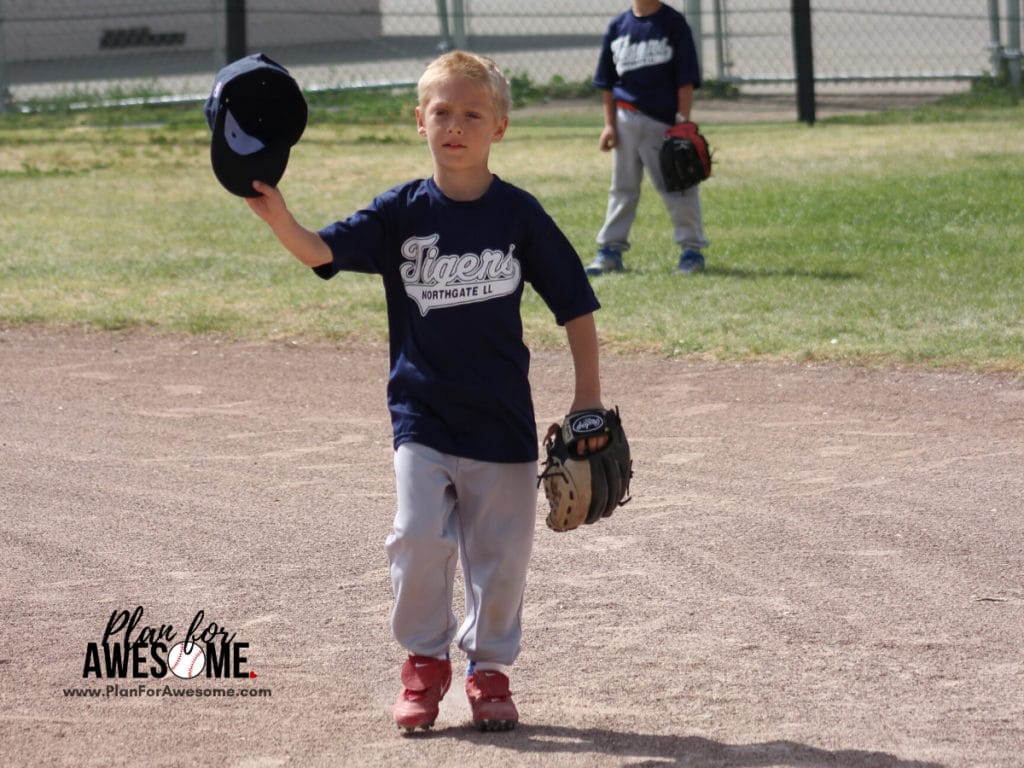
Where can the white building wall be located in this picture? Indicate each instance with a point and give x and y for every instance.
(35, 30)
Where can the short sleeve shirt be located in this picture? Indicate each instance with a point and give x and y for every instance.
(454, 274)
(645, 60)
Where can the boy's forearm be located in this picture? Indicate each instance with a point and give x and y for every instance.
(684, 101)
(609, 108)
(304, 244)
(582, 335)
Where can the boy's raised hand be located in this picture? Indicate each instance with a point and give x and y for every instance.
(305, 244)
(270, 205)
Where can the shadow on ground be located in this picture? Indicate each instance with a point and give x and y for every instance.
(638, 749)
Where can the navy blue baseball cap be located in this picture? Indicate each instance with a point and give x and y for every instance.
(257, 113)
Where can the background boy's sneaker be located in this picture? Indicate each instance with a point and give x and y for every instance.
(491, 700)
(425, 681)
(607, 260)
(690, 262)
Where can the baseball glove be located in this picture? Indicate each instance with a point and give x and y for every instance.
(584, 488)
(685, 157)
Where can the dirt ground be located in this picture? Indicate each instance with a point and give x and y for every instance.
(820, 566)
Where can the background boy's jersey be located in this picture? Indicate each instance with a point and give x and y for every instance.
(645, 60)
(454, 274)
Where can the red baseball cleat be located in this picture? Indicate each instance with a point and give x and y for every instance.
(425, 681)
(491, 701)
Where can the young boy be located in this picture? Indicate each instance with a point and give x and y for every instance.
(455, 251)
(647, 71)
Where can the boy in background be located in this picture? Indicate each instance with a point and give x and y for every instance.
(648, 70)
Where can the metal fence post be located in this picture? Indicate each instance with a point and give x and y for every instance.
(218, 40)
(693, 18)
(3, 64)
(720, 61)
(803, 55)
(236, 43)
(995, 45)
(1013, 42)
(442, 18)
(459, 23)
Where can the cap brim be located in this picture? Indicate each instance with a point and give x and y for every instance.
(236, 173)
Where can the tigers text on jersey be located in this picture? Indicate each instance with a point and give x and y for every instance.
(433, 279)
(454, 274)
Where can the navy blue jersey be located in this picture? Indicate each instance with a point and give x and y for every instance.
(454, 274)
(646, 60)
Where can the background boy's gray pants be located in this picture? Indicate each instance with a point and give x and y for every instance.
(639, 142)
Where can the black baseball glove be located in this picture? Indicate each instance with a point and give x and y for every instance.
(583, 488)
(685, 157)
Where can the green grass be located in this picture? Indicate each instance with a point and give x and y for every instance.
(891, 239)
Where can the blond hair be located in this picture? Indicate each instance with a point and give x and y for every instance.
(473, 67)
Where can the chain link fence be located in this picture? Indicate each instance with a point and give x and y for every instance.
(172, 48)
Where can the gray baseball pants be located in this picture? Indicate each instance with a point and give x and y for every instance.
(482, 512)
(639, 141)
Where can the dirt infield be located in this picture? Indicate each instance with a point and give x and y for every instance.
(820, 566)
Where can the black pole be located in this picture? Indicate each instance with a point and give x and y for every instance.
(442, 17)
(236, 44)
(803, 55)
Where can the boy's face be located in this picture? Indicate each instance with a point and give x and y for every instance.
(460, 123)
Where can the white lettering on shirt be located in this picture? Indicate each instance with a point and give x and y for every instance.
(629, 56)
(435, 280)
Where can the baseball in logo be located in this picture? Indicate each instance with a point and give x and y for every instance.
(186, 660)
